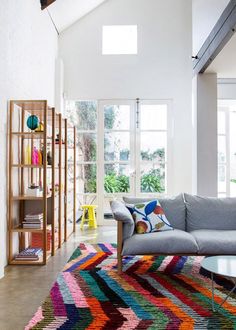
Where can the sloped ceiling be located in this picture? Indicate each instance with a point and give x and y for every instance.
(66, 12)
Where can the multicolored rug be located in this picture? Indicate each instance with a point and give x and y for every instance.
(153, 293)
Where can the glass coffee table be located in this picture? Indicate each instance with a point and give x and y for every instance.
(220, 265)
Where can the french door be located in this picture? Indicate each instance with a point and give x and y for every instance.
(134, 139)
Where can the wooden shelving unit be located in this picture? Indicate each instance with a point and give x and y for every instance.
(50, 175)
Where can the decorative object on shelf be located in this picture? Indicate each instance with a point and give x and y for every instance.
(34, 191)
(57, 139)
(27, 155)
(40, 127)
(49, 158)
(40, 157)
(35, 156)
(32, 122)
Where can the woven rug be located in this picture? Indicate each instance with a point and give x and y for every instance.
(152, 293)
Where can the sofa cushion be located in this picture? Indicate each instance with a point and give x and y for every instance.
(210, 213)
(174, 208)
(166, 242)
(121, 213)
(149, 217)
(215, 241)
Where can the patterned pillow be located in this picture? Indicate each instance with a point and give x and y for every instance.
(149, 217)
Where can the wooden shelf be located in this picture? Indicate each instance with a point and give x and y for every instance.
(30, 262)
(30, 166)
(31, 135)
(28, 198)
(25, 230)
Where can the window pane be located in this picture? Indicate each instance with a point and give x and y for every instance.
(152, 178)
(153, 146)
(117, 117)
(221, 178)
(117, 146)
(221, 149)
(86, 115)
(153, 116)
(87, 178)
(221, 122)
(87, 147)
(117, 178)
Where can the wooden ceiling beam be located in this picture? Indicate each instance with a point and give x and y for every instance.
(46, 3)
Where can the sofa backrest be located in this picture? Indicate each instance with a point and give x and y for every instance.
(174, 208)
(210, 213)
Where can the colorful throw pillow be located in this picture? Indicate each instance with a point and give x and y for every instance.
(149, 217)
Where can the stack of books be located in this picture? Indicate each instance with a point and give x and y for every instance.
(33, 221)
(29, 254)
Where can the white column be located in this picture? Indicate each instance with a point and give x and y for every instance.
(59, 86)
(205, 136)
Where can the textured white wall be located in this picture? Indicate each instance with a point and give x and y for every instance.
(161, 70)
(27, 71)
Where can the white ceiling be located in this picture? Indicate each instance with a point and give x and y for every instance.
(225, 64)
(66, 12)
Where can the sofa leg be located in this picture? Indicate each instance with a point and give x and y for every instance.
(119, 260)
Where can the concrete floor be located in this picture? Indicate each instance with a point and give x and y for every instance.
(24, 288)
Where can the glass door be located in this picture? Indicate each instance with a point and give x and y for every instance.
(116, 152)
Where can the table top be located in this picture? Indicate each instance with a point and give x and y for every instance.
(221, 265)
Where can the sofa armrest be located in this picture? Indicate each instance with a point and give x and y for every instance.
(122, 214)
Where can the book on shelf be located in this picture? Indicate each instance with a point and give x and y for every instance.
(30, 216)
(29, 254)
(33, 221)
(32, 226)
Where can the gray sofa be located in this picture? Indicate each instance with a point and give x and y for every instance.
(202, 226)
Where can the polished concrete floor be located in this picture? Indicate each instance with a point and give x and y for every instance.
(24, 288)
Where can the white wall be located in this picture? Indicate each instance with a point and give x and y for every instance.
(27, 64)
(205, 143)
(161, 70)
(205, 15)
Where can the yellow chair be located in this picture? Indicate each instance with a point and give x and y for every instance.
(91, 219)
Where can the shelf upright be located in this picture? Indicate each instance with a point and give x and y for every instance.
(45, 186)
(60, 183)
(66, 182)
